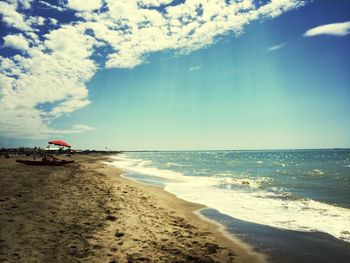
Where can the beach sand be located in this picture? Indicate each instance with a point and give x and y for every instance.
(87, 212)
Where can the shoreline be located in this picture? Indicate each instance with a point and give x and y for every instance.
(275, 244)
(244, 253)
(87, 212)
(194, 211)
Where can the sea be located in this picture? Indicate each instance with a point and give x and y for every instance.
(293, 205)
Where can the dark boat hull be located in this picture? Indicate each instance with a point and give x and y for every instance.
(52, 163)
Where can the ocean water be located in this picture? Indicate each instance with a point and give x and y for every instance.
(302, 190)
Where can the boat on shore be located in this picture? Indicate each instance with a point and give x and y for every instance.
(45, 162)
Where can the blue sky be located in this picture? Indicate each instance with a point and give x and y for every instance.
(275, 80)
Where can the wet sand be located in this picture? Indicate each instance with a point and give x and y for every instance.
(285, 246)
(87, 212)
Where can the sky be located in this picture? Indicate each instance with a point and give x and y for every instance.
(175, 75)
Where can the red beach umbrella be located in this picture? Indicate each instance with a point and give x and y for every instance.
(59, 143)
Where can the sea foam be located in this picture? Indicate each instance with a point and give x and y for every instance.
(243, 199)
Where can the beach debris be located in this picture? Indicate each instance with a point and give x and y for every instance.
(136, 257)
(114, 249)
(97, 247)
(194, 258)
(72, 250)
(212, 248)
(119, 233)
(111, 217)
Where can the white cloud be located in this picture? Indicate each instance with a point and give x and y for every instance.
(58, 8)
(276, 47)
(195, 68)
(50, 80)
(53, 21)
(16, 41)
(154, 3)
(85, 5)
(120, 60)
(55, 74)
(134, 32)
(335, 29)
(11, 17)
(26, 4)
(36, 20)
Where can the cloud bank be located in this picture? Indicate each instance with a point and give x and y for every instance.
(52, 59)
(335, 29)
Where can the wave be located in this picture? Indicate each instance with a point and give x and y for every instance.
(141, 166)
(316, 172)
(246, 199)
(268, 208)
(169, 164)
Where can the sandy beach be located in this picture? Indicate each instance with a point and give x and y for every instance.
(87, 212)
